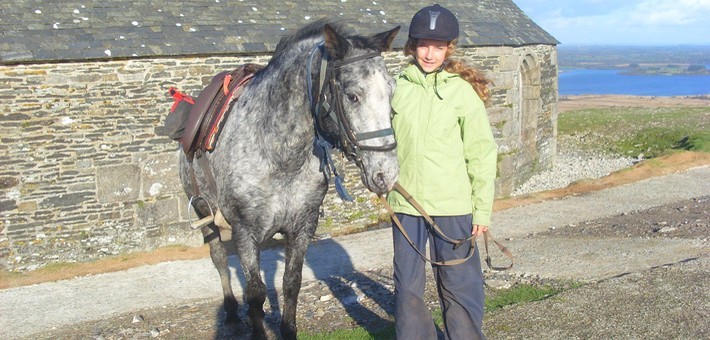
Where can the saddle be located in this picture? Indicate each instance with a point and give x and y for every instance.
(196, 123)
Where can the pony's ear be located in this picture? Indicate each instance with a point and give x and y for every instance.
(383, 40)
(336, 45)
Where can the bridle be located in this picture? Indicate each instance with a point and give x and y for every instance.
(349, 141)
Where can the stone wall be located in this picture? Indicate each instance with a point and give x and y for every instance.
(86, 174)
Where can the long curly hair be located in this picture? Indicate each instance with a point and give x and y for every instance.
(478, 81)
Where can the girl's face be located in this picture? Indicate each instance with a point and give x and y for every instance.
(431, 54)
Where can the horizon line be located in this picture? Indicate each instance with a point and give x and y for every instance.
(633, 45)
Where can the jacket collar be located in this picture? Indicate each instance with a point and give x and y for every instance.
(415, 75)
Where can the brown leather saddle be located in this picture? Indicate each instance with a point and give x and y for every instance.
(199, 130)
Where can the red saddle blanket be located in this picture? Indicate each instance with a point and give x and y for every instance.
(196, 123)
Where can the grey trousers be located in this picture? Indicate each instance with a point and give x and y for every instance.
(460, 287)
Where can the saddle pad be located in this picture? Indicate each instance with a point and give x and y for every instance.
(211, 108)
(216, 126)
(175, 121)
(198, 113)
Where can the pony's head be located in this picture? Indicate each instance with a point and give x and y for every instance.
(358, 91)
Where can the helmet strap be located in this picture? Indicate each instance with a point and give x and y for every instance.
(439, 69)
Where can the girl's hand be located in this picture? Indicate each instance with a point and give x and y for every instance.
(478, 229)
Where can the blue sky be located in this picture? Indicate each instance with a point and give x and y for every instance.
(622, 22)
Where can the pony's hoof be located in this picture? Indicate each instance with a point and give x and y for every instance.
(232, 320)
(288, 332)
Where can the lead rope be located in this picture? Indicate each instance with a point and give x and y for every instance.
(457, 243)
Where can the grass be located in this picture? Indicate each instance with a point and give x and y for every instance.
(520, 294)
(651, 132)
(350, 334)
(517, 294)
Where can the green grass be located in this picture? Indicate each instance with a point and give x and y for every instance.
(350, 334)
(696, 142)
(356, 215)
(517, 294)
(633, 131)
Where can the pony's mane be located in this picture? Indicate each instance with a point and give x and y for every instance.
(310, 31)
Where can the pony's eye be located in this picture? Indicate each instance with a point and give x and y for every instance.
(353, 98)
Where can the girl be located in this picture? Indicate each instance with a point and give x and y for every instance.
(447, 158)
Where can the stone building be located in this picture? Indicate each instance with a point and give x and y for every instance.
(85, 172)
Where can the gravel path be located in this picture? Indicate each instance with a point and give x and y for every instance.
(665, 302)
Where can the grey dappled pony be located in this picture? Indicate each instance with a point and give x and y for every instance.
(267, 175)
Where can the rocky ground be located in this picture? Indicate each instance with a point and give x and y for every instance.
(366, 298)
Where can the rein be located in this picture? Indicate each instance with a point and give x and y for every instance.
(457, 242)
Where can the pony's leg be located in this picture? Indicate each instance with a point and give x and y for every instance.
(219, 258)
(295, 252)
(249, 255)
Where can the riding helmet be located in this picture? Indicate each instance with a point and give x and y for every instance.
(434, 22)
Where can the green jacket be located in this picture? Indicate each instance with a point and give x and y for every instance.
(445, 147)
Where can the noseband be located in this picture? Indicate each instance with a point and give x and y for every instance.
(349, 141)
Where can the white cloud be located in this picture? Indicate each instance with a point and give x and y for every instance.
(643, 13)
(670, 12)
(556, 20)
(638, 22)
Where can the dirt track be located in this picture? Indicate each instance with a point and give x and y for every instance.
(601, 101)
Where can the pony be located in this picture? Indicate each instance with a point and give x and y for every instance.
(325, 87)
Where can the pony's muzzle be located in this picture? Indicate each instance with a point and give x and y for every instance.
(382, 183)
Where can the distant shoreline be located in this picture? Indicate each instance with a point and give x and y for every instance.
(577, 102)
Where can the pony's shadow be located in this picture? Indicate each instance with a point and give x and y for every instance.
(271, 259)
(332, 266)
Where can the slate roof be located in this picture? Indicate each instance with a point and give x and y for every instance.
(48, 30)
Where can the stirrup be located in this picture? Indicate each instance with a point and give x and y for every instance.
(203, 221)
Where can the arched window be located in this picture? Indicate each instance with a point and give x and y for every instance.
(530, 107)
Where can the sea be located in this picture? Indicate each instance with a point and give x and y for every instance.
(598, 81)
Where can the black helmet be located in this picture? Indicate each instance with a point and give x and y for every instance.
(434, 22)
